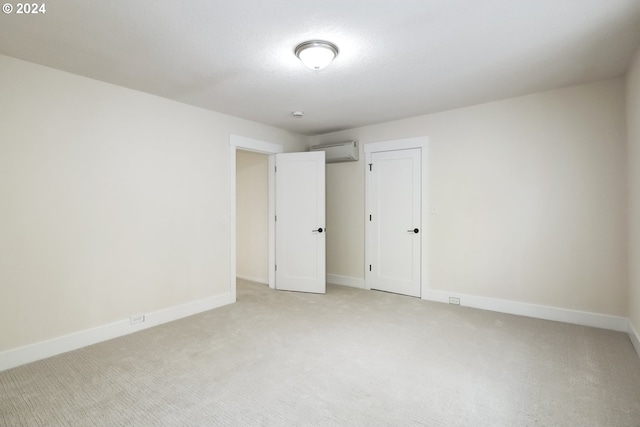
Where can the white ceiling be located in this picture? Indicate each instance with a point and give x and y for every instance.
(397, 58)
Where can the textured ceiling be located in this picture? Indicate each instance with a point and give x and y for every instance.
(397, 58)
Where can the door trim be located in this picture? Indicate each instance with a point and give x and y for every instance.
(421, 142)
(236, 143)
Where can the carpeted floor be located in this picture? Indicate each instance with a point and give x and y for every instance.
(350, 357)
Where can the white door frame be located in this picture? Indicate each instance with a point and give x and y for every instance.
(249, 144)
(421, 142)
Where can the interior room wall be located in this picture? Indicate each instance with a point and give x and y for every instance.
(633, 136)
(531, 196)
(345, 218)
(252, 216)
(113, 202)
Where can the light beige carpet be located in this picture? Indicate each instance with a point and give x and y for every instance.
(350, 357)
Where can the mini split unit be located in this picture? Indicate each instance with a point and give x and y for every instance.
(339, 151)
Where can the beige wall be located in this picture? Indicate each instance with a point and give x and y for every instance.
(113, 202)
(345, 217)
(633, 135)
(252, 216)
(531, 193)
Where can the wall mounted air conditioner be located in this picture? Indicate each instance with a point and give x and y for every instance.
(339, 151)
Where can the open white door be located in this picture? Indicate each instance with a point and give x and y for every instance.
(300, 227)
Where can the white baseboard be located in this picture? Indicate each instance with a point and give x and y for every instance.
(263, 280)
(596, 320)
(635, 337)
(41, 350)
(354, 282)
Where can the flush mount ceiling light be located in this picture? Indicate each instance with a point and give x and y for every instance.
(316, 54)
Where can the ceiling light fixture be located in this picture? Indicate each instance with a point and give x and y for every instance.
(316, 54)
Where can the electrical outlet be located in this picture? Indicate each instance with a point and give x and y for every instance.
(454, 300)
(137, 318)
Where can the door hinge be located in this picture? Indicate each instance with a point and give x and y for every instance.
(276, 218)
(369, 217)
(276, 168)
(276, 267)
(369, 267)
(370, 167)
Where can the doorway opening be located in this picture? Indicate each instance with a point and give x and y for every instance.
(252, 216)
(237, 143)
(301, 216)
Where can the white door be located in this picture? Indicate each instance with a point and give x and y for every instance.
(300, 227)
(395, 221)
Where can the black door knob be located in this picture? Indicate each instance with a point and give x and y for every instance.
(319, 230)
(415, 230)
